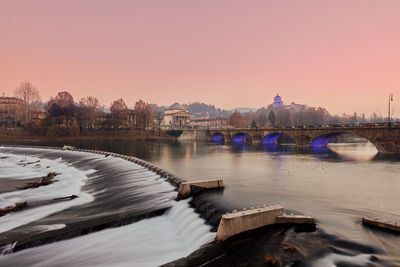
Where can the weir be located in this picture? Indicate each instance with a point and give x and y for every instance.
(118, 218)
(143, 195)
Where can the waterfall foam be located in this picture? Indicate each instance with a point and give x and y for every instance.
(149, 242)
(334, 260)
(69, 183)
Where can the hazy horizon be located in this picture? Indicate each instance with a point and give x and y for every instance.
(339, 55)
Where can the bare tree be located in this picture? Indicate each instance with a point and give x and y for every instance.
(157, 114)
(159, 119)
(261, 117)
(87, 111)
(64, 99)
(119, 112)
(143, 114)
(248, 118)
(90, 101)
(30, 94)
(236, 119)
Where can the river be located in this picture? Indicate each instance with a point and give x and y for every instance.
(337, 185)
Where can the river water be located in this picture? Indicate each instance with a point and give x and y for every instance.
(337, 185)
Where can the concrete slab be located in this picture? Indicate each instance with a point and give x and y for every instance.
(295, 219)
(185, 187)
(382, 223)
(237, 222)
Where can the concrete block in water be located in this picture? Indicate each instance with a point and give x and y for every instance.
(295, 219)
(238, 222)
(185, 188)
(382, 223)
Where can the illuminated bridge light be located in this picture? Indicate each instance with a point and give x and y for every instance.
(320, 150)
(323, 140)
(239, 138)
(271, 138)
(217, 138)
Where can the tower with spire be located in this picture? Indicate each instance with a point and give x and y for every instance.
(277, 101)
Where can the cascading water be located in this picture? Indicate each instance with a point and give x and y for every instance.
(149, 242)
(68, 183)
(111, 192)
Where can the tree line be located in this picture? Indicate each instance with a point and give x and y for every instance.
(62, 115)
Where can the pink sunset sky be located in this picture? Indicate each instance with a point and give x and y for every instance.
(342, 55)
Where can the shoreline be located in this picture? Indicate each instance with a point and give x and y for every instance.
(38, 139)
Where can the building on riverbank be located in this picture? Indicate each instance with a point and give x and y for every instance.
(12, 111)
(177, 116)
(106, 120)
(218, 122)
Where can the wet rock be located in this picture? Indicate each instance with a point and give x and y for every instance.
(270, 261)
(45, 180)
(66, 198)
(18, 206)
(288, 248)
(374, 259)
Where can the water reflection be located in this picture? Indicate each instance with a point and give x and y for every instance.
(354, 152)
(281, 149)
(321, 150)
(240, 147)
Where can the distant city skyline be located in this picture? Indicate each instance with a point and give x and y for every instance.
(339, 55)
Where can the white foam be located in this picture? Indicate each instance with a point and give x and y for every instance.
(331, 260)
(149, 242)
(70, 182)
(49, 227)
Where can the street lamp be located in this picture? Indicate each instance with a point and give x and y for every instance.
(390, 100)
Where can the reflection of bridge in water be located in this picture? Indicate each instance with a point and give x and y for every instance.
(386, 139)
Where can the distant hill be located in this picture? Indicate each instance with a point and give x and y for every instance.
(200, 110)
(155, 108)
(245, 110)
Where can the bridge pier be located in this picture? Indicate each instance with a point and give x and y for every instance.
(388, 147)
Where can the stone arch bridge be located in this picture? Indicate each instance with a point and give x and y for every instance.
(386, 139)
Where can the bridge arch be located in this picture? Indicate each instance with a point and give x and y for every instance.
(324, 139)
(272, 138)
(241, 137)
(218, 138)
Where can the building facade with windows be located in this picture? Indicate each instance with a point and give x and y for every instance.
(12, 111)
(176, 116)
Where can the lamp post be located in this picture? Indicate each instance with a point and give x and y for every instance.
(390, 100)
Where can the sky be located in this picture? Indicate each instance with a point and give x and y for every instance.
(343, 55)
